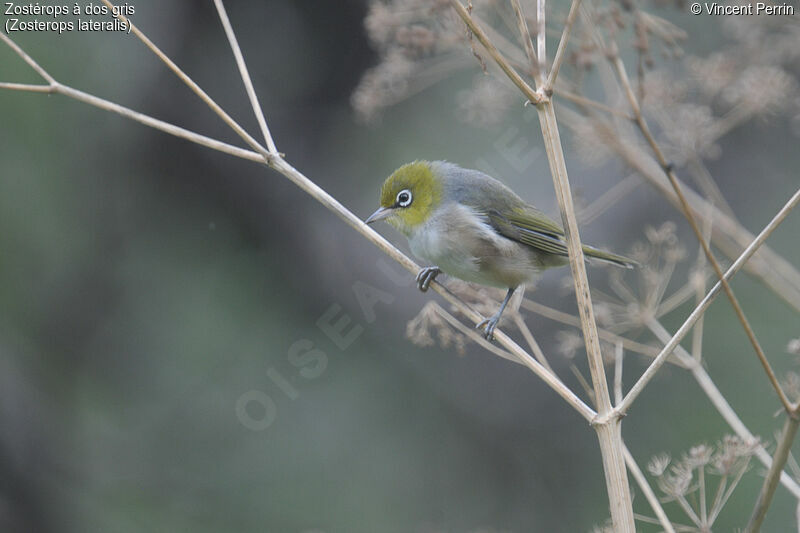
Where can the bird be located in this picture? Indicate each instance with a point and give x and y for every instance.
(471, 226)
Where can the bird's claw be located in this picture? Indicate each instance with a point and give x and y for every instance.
(426, 276)
(488, 325)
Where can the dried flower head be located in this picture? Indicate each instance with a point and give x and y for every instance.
(677, 481)
(569, 343)
(732, 455)
(699, 456)
(761, 88)
(421, 329)
(793, 346)
(658, 464)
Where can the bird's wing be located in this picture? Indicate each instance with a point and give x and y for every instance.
(530, 226)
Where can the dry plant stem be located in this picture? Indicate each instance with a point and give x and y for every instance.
(607, 424)
(531, 340)
(27, 87)
(526, 40)
(512, 74)
(687, 211)
(697, 332)
(775, 470)
(701, 308)
(608, 427)
(619, 355)
(541, 40)
(609, 198)
(644, 486)
(248, 83)
(547, 88)
(583, 101)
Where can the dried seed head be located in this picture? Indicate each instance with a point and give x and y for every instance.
(700, 455)
(732, 454)
(677, 481)
(658, 464)
(569, 343)
(793, 346)
(761, 88)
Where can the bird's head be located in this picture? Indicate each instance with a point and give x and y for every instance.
(409, 196)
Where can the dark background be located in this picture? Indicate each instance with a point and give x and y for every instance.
(147, 284)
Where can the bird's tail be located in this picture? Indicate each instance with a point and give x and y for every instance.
(608, 257)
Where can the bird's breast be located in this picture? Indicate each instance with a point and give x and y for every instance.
(462, 243)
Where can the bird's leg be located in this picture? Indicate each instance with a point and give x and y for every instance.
(426, 275)
(491, 322)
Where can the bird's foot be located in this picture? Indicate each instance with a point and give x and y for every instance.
(426, 276)
(488, 325)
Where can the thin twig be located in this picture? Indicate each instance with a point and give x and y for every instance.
(28, 59)
(525, 34)
(644, 486)
(700, 289)
(473, 335)
(609, 198)
(27, 87)
(562, 47)
(619, 354)
(531, 340)
(248, 83)
(541, 41)
(776, 468)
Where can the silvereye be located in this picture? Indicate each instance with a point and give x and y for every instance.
(471, 226)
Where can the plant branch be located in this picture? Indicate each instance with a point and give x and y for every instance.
(775, 470)
(562, 47)
(525, 34)
(647, 490)
(541, 40)
(248, 83)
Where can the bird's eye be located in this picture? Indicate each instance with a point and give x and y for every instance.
(404, 198)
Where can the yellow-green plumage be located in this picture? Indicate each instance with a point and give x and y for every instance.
(473, 227)
(427, 193)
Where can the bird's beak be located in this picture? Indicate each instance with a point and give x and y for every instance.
(380, 214)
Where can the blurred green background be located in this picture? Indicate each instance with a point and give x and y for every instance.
(147, 285)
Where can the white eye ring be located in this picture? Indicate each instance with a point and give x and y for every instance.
(404, 198)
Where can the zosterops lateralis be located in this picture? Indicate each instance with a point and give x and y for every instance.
(471, 226)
